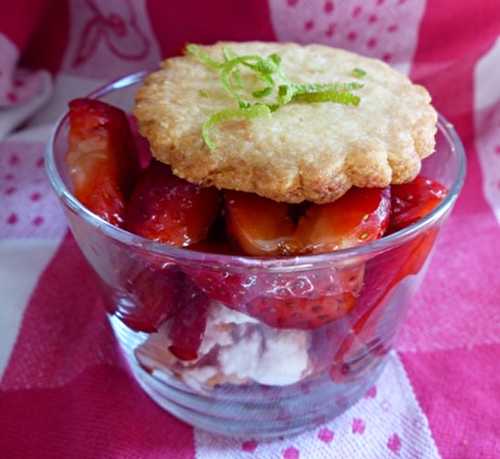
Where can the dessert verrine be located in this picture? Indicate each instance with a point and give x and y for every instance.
(270, 155)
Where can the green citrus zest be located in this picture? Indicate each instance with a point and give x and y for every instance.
(358, 73)
(277, 91)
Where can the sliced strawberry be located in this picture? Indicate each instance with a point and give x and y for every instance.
(306, 300)
(414, 200)
(232, 288)
(371, 328)
(101, 157)
(301, 313)
(360, 216)
(259, 226)
(168, 209)
(188, 326)
(154, 298)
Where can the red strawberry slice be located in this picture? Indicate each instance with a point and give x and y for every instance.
(154, 298)
(414, 200)
(360, 216)
(101, 157)
(259, 226)
(301, 313)
(382, 275)
(188, 326)
(229, 287)
(168, 209)
(220, 281)
(232, 288)
(326, 280)
(306, 300)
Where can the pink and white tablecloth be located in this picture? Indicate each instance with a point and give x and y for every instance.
(64, 392)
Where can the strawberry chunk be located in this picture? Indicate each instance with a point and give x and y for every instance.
(301, 313)
(101, 157)
(188, 325)
(360, 216)
(368, 334)
(259, 226)
(414, 200)
(409, 203)
(306, 300)
(168, 209)
(154, 298)
(234, 289)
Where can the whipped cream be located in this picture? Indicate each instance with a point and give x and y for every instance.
(236, 349)
(275, 358)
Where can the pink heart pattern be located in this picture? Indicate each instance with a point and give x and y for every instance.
(112, 36)
(29, 207)
(358, 426)
(16, 85)
(487, 121)
(386, 29)
(372, 425)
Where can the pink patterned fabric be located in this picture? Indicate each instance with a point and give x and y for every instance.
(29, 207)
(64, 391)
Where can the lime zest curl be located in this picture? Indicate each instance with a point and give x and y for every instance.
(277, 91)
(358, 73)
(318, 92)
(203, 57)
(345, 98)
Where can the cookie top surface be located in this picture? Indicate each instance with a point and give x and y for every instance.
(303, 151)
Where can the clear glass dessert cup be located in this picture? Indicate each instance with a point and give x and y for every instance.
(252, 378)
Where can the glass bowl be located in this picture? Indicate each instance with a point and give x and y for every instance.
(252, 378)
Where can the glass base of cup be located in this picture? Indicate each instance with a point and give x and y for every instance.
(249, 410)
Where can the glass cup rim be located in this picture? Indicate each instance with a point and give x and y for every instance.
(192, 256)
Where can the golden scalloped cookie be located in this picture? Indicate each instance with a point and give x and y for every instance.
(313, 152)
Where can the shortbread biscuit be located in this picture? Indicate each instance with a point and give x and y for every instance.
(304, 151)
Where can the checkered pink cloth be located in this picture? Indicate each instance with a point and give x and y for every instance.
(64, 392)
